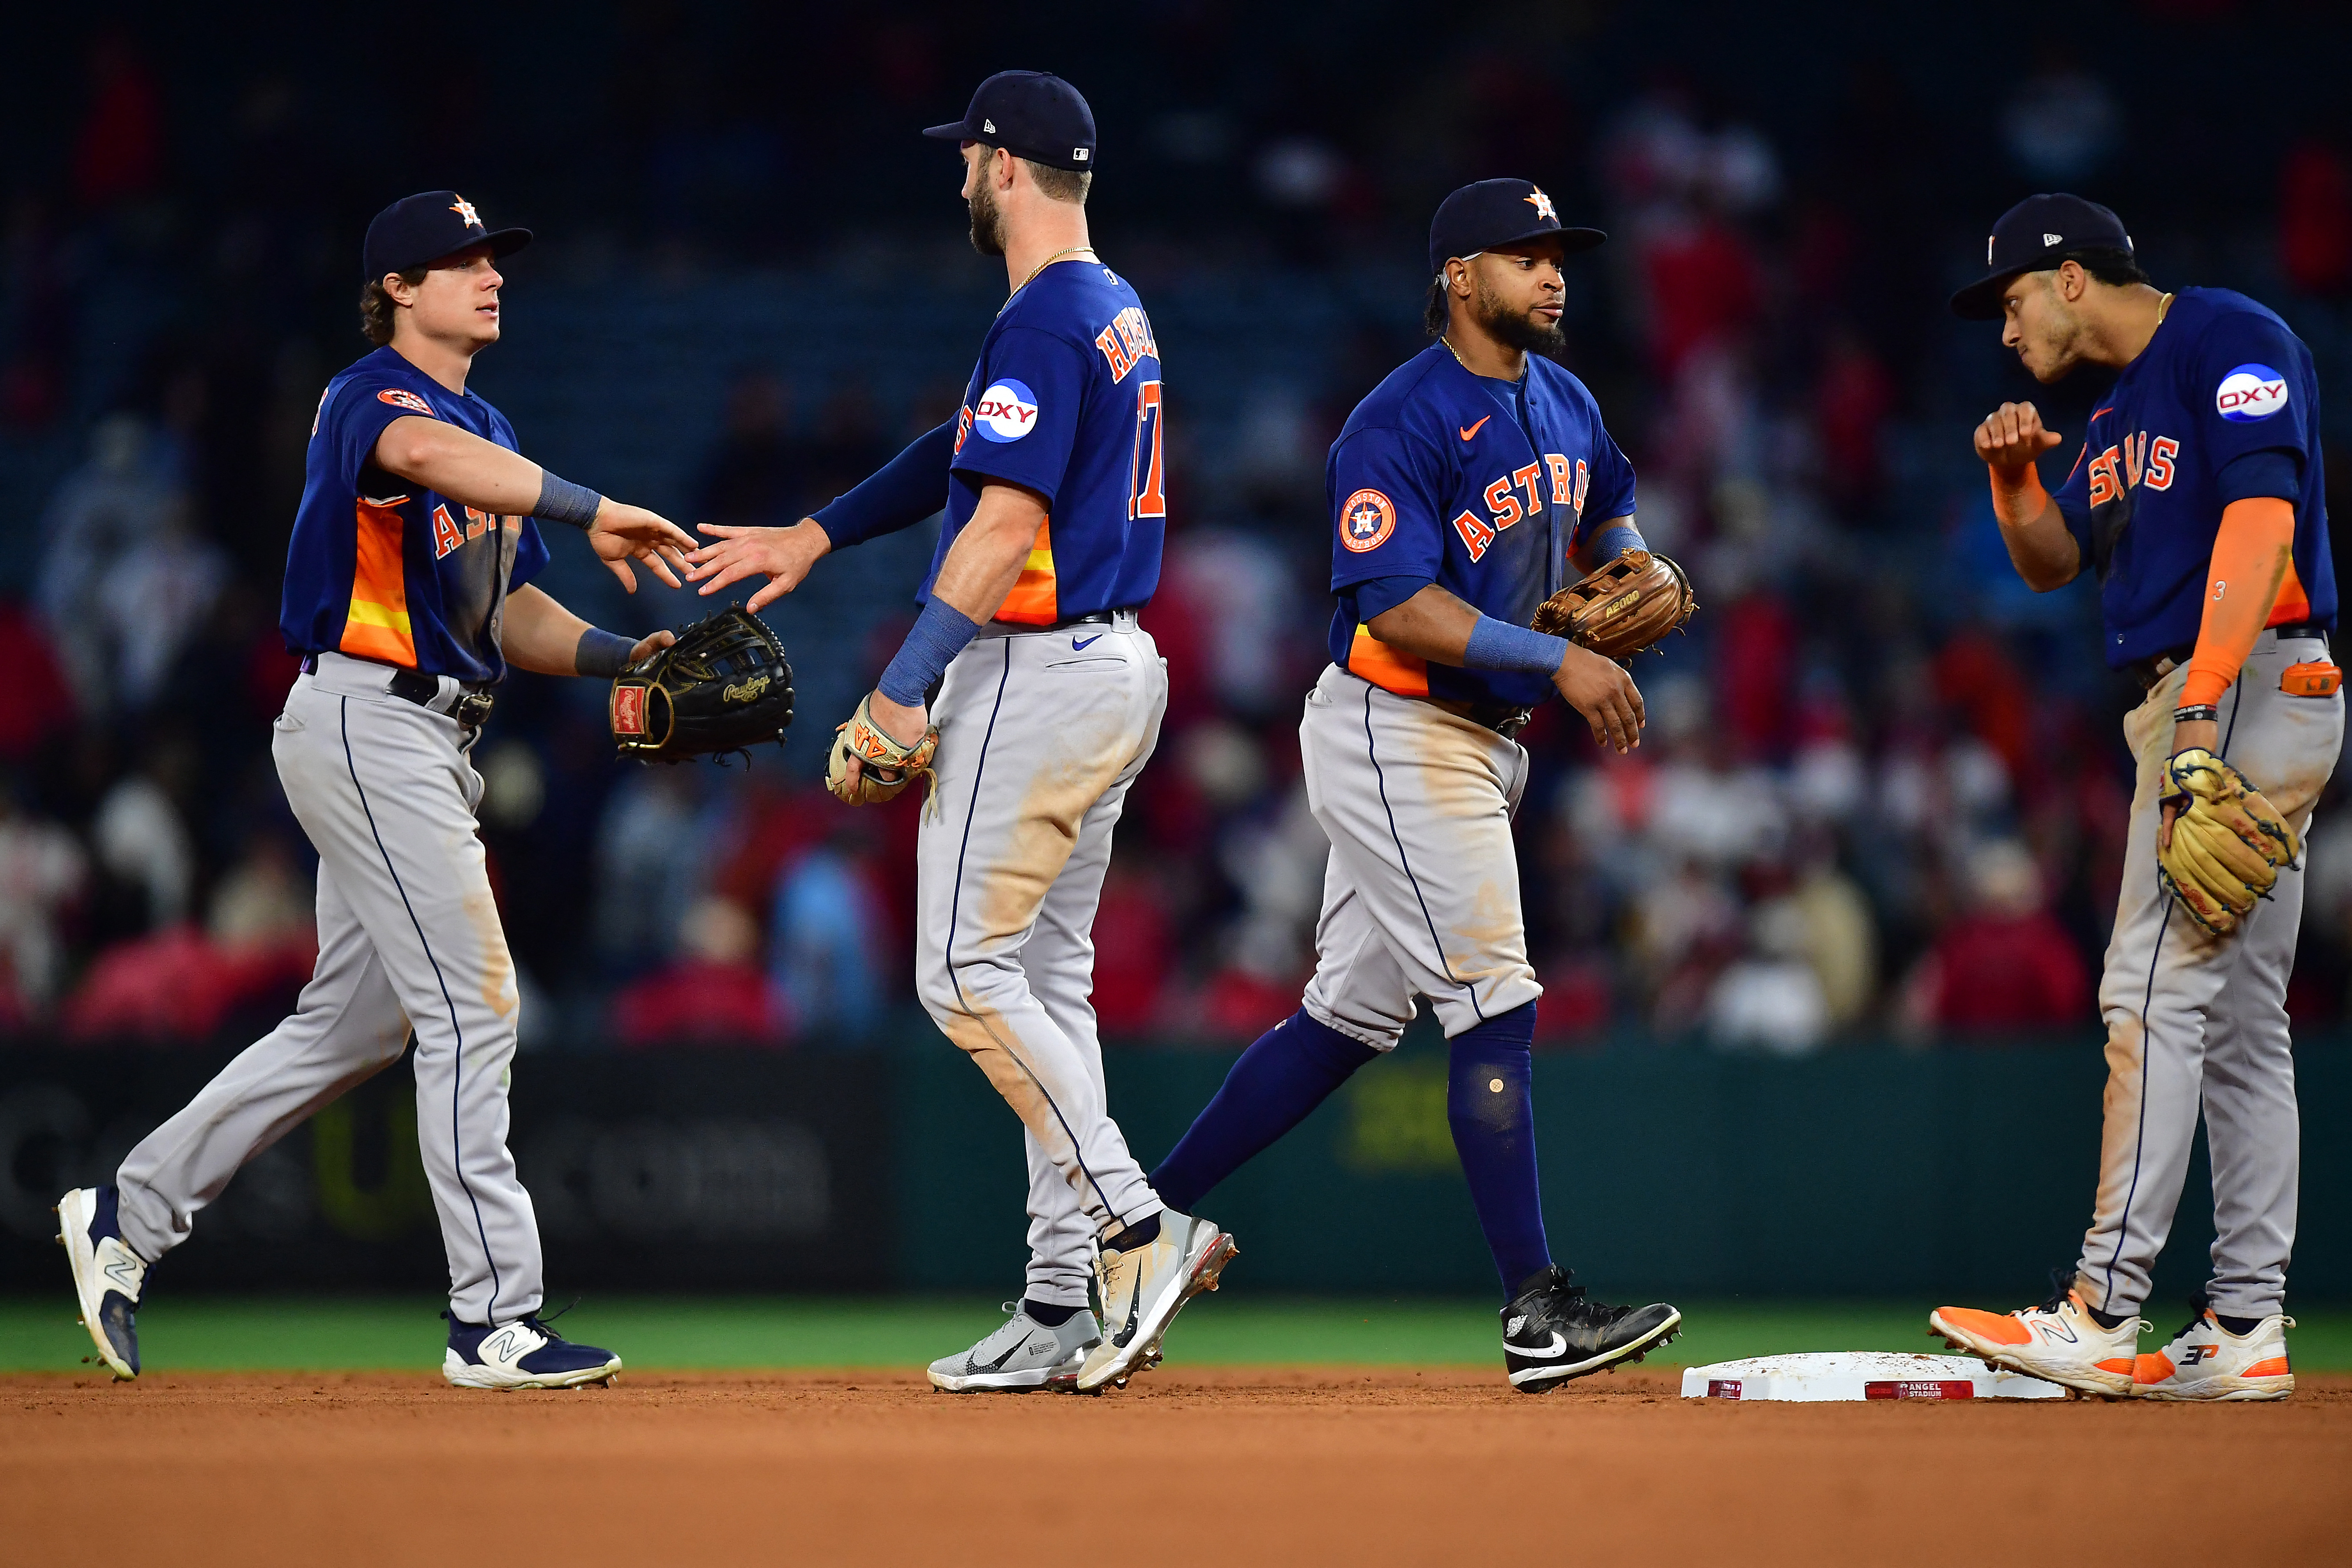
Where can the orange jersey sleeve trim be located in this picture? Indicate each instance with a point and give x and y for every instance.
(2252, 584)
(1035, 599)
(376, 624)
(1405, 674)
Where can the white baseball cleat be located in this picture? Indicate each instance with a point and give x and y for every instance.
(1022, 1356)
(2206, 1361)
(108, 1275)
(523, 1354)
(2058, 1341)
(1141, 1289)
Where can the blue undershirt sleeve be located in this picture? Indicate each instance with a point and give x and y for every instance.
(900, 493)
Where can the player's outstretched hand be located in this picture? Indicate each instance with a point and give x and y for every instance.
(623, 533)
(783, 554)
(2011, 438)
(1602, 691)
(647, 648)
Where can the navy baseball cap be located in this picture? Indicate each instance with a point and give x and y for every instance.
(1031, 114)
(1495, 213)
(423, 228)
(2035, 235)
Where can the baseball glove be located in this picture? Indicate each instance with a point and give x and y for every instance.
(2228, 842)
(723, 685)
(885, 767)
(1623, 608)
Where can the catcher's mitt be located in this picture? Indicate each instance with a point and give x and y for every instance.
(2228, 842)
(1623, 608)
(724, 684)
(884, 768)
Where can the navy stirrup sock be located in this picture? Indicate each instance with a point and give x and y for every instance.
(1492, 1112)
(1286, 1072)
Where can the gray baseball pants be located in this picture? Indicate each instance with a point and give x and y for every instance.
(2198, 1023)
(409, 940)
(1041, 735)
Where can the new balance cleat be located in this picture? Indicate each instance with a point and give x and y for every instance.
(1142, 1288)
(2206, 1361)
(1022, 1356)
(524, 1353)
(1552, 1332)
(108, 1275)
(2058, 1341)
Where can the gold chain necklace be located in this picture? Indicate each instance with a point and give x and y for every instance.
(2161, 307)
(1066, 250)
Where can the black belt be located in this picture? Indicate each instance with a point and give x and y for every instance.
(2157, 666)
(1504, 719)
(472, 707)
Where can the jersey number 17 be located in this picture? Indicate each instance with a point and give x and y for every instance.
(1147, 496)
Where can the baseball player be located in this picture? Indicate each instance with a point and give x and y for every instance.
(1468, 487)
(2198, 501)
(407, 594)
(1044, 697)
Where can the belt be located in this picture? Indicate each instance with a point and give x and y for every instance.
(2157, 666)
(469, 705)
(1500, 717)
(1099, 618)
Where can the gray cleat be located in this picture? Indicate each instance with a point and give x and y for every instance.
(1021, 1357)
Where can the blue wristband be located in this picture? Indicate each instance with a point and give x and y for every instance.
(602, 653)
(1610, 543)
(561, 500)
(940, 632)
(1498, 645)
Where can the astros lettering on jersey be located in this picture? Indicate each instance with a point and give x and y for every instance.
(1483, 487)
(2222, 404)
(380, 568)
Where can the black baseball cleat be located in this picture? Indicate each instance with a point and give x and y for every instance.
(1551, 1334)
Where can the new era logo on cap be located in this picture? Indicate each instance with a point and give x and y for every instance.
(2026, 239)
(2051, 238)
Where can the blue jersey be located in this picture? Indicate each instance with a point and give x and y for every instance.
(382, 569)
(2221, 405)
(1484, 488)
(1066, 400)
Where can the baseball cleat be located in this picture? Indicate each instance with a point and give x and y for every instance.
(2206, 1361)
(523, 1354)
(1021, 1357)
(108, 1275)
(2058, 1341)
(1141, 1289)
(1552, 1333)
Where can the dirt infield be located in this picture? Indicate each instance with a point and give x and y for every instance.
(1245, 1466)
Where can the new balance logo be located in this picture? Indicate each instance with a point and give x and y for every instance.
(505, 1345)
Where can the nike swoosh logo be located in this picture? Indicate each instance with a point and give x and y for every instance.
(1559, 1348)
(1079, 645)
(1470, 430)
(998, 1364)
(2103, 413)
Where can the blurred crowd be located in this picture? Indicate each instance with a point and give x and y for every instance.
(1882, 794)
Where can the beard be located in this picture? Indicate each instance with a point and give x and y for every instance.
(987, 222)
(1518, 328)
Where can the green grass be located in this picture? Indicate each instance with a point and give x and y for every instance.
(652, 1333)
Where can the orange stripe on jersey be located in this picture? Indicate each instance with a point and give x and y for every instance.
(1405, 674)
(2293, 605)
(1035, 599)
(376, 625)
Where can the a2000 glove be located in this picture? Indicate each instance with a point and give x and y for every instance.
(2228, 842)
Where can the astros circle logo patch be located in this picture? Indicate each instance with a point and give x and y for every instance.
(1366, 521)
(2249, 393)
(1005, 412)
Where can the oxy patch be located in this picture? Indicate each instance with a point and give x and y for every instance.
(2250, 393)
(1006, 412)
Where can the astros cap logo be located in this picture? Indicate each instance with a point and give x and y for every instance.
(465, 209)
(1542, 204)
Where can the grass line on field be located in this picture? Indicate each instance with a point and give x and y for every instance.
(722, 1332)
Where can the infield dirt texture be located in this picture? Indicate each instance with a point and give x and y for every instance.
(1190, 1466)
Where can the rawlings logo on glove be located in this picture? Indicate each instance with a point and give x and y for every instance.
(2228, 842)
(884, 768)
(722, 686)
(1622, 608)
